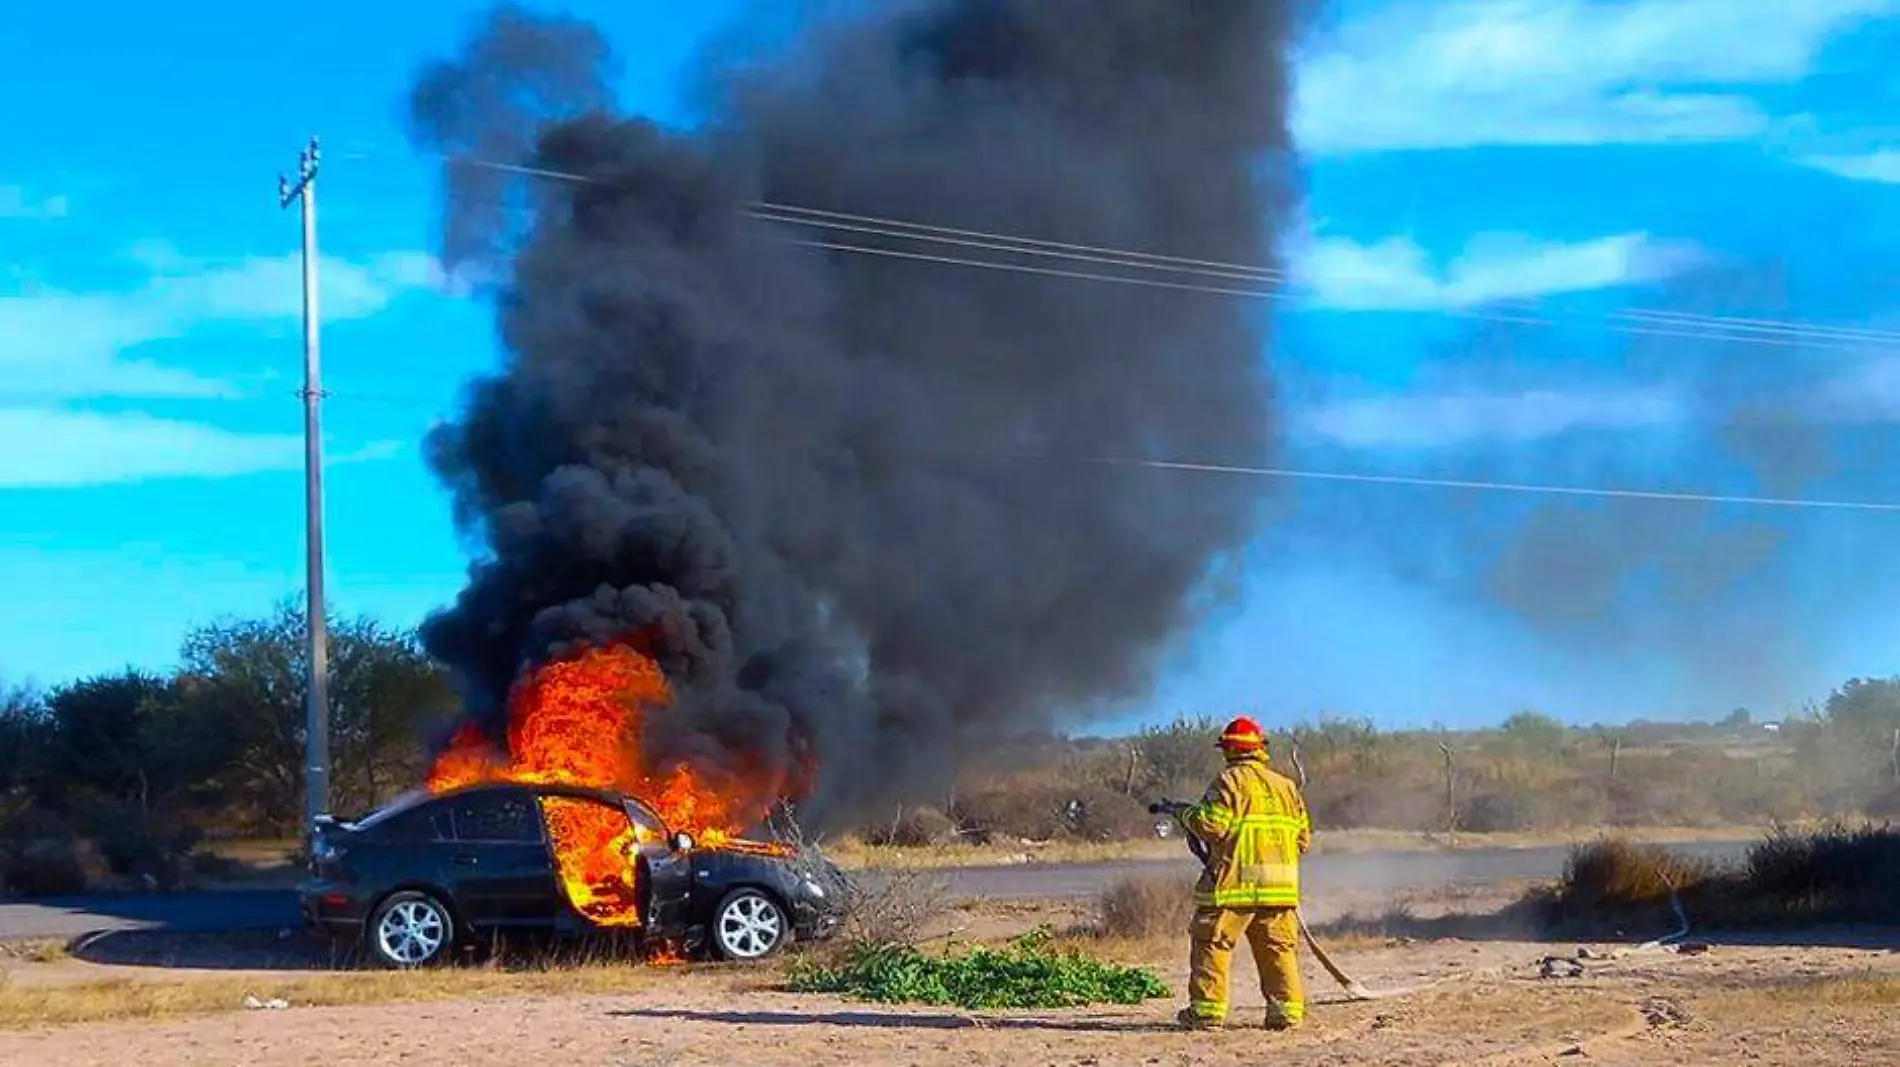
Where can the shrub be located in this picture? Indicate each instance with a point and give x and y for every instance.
(41, 856)
(1839, 874)
(1617, 879)
(1145, 907)
(1028, 811)
(1040, 811)
(913, 828)
(1838, 871)
(1102, 815)
(1028, 972)
(897, 912)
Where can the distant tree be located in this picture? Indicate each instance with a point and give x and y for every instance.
(1179, 756)
(1534, 733)
(1858, 723)
(1739, 719)
(100, 740)
(25, 731)
(385, 694)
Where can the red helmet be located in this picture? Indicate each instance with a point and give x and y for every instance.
(1243, 735)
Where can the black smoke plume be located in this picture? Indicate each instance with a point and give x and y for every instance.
(798, 471)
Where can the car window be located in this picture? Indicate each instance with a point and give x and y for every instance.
(647, 826)
(502, 816)
(429, 823)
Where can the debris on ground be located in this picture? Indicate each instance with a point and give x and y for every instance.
(1559, 967)
(273, 1004)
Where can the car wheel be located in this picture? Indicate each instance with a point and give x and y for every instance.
(410, 930)
(749, 925)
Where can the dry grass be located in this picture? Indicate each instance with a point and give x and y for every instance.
(853, 853)
(1142, 908)
(1836, 873)
(46, 951)
(116, 999)
(1867, 990)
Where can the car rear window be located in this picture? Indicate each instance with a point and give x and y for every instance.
(430, 823)
(506, 816)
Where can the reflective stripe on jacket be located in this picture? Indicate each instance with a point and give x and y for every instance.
(1256, 829)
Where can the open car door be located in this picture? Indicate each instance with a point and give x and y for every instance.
(665, 872)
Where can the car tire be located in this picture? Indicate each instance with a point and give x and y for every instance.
(749, 925)
(409, 930)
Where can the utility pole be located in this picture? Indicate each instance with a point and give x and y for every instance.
(317, 682)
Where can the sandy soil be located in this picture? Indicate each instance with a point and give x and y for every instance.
(1827, 1002)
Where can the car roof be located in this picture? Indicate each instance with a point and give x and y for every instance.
(421, 797)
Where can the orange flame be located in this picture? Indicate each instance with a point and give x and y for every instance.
(580, 722)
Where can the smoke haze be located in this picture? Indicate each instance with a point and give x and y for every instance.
(786, 466)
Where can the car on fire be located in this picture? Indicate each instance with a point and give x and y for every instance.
(415, 880)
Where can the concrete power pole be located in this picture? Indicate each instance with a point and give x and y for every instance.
(317, 728)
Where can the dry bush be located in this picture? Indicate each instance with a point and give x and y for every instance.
(1377, 805)
(912, 828)
(42, 856)
(895, 910)
(1018, 810)
(1110, 816)
(1144, 907)
(1838, 872)
(1623, 883)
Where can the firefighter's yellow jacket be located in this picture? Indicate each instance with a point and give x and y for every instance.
(1256, 829)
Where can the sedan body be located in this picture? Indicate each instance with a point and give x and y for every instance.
(420, 877)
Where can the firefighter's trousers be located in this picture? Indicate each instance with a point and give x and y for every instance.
(1273, 934)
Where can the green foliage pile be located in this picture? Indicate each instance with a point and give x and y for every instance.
(1028, 972)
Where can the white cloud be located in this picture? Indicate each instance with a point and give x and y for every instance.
(1879, 166)
(1464, 73)
(60, 345)
(17, 203)
(1448, 421)
(43, 448)
(1397, 274)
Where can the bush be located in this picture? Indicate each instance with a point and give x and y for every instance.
(41, 856)
(1616, 878)
(1145, 907)
(1837, 871)
(1032, 812)
(897, 912)
(913, 828)
(1029, 972)
(48, 867)
(1041, 811)
(1102, 815)
(1840, 874)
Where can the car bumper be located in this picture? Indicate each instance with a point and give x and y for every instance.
(329, 909)
(816, 921)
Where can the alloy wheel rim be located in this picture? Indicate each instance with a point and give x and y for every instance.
(750, 927)
(412, 932)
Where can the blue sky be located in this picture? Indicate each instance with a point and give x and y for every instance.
(1561, 160)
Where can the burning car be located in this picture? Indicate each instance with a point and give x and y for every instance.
(418, 878)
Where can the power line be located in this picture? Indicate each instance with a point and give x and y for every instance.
(1487, 486)
(1643, 321)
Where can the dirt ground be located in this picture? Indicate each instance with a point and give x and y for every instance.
(1823, 999)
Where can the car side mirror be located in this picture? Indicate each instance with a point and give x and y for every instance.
(682, 842)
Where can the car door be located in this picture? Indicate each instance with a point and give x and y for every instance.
(666, 874)
(502, 868)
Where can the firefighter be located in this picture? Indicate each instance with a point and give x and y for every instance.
(1255, 826)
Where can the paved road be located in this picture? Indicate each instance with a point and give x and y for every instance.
(1361, 875)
